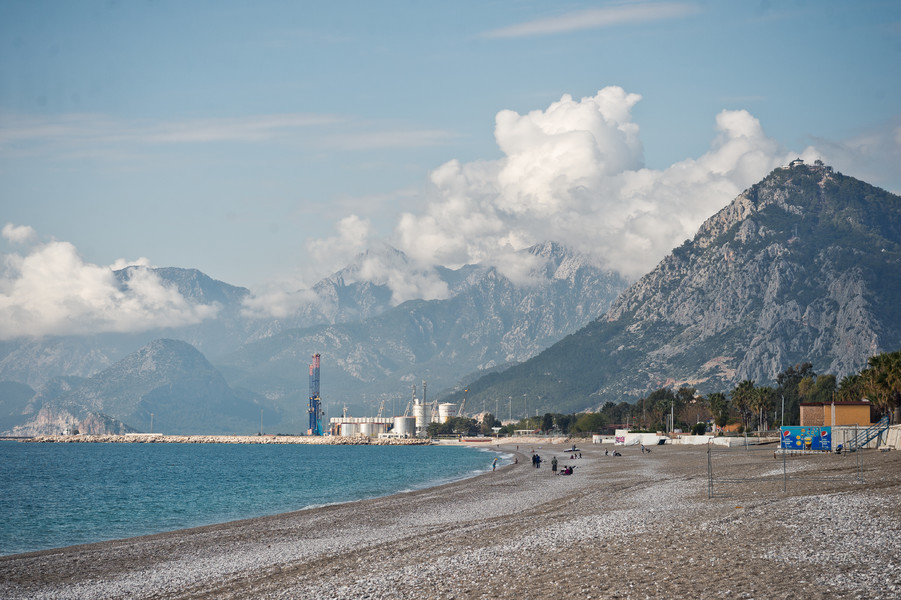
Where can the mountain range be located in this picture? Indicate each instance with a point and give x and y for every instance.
(804, 266)
(373, 348)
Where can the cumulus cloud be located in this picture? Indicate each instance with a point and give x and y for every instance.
(279, 299)
(574, 173)
(51, 290)
(19, 234)
(348, 247)
(384, 266)
(353, 237)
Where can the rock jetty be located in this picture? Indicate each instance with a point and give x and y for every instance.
(154, 438)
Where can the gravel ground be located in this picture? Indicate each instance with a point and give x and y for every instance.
(636, 526)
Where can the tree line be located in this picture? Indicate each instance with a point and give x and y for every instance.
(750, 406)
(760, 408)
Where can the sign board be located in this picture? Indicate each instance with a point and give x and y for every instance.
(807, 438)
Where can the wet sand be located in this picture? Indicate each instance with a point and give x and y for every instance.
(636, 526)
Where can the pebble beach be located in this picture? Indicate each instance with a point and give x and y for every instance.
(640, 525)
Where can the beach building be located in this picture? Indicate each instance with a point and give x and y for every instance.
(833, 414)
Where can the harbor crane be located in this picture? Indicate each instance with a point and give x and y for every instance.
(315, 406)
(462, 404)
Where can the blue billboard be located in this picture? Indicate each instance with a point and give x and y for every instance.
(807, 438)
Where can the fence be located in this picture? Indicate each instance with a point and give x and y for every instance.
(765, 469)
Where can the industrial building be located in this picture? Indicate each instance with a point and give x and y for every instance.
(404, 426)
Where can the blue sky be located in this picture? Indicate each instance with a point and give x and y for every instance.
(265, 143)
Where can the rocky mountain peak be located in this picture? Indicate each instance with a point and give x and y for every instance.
(780, 188)
(804, 266)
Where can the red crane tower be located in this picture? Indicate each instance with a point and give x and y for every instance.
(315, 408)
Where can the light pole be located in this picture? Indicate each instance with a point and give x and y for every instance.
(151, 422)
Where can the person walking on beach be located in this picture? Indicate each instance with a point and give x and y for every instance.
(494, 464)
(554, 465)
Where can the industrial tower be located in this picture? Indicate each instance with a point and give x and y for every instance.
(315, 409)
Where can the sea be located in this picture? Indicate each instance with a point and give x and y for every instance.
(54, 495)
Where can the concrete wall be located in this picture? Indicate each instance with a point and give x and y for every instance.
(624, 438)
(892, 437)
(693, 440)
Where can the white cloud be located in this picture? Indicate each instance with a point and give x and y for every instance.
(574, 173)
(406, 281)
(78, 135)
(283, 298)
(353, 237)
(381, 265)
(280, 300)
(19, 234)
(596, 18)
(872, 156)
(53, 291)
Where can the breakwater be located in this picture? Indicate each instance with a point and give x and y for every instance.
(154, 438)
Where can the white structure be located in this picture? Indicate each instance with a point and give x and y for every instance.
(422, 413)
(445, 412)
(404, 426)
(625, 438)
(360, 426)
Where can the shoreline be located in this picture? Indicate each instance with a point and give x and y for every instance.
(633, 526)
(158, 438)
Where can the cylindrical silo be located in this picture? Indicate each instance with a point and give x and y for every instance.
(405, 426)
(445, 412)
(422, 414)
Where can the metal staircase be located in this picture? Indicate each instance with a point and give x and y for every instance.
(864, 437)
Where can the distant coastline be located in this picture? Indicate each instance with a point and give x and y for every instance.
(158, 438)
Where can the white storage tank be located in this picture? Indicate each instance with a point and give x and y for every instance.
(445, 412)
(404, 426)
(422, 414)
(348, 429)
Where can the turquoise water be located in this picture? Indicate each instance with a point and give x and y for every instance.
(54, 495)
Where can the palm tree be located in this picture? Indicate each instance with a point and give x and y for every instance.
(742, 396)
(762, 401)
(719, 407)
(881, 381)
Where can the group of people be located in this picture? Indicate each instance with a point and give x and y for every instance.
(567, 470)
(536, 461)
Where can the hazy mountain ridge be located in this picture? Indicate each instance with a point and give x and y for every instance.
(485, 321)
(490, 321)
(803, 266)
(167, 378)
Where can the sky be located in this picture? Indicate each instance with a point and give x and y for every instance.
(268, 143)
